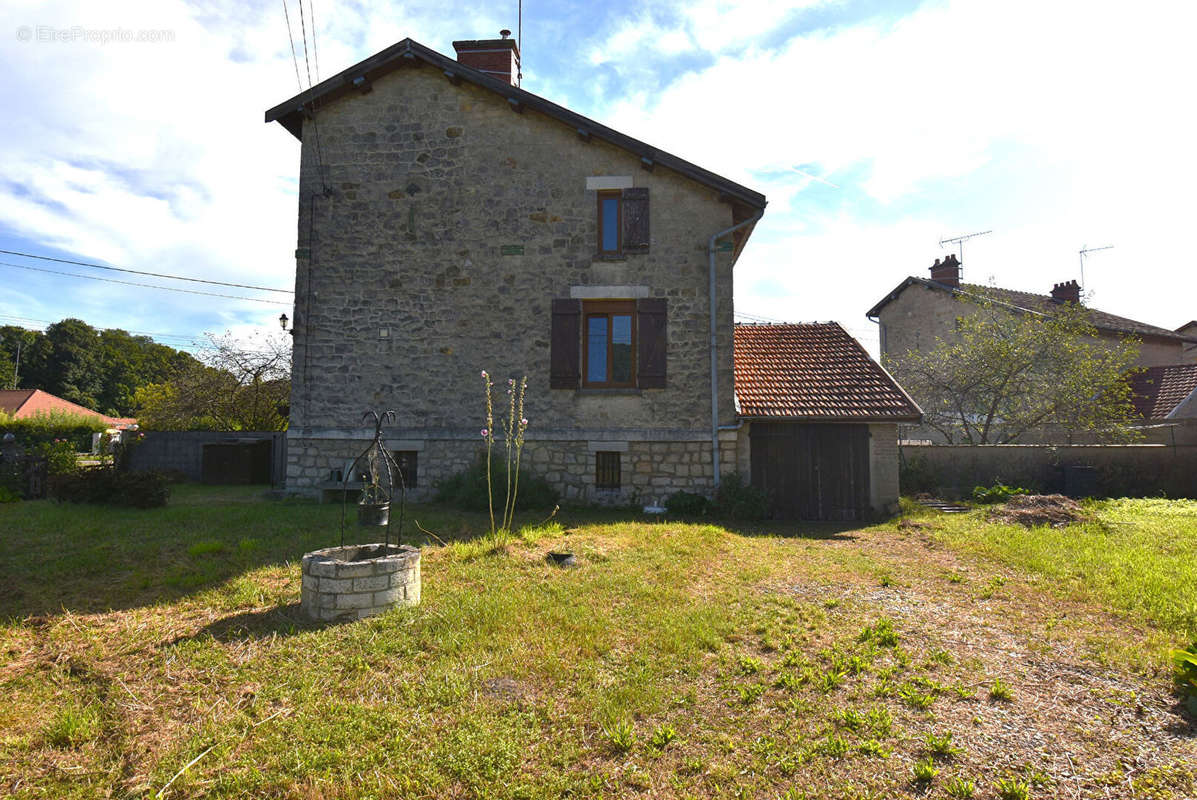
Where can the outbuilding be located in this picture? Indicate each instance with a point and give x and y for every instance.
(818, 421)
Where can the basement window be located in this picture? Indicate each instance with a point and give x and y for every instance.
(606, 470)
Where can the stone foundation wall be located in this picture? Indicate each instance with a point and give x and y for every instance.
(650, 469)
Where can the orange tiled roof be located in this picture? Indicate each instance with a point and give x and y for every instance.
(22, 403)
(1156, 391)
(813, 371)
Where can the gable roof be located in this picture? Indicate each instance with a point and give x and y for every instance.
(1157, 391)
(814, 372)
(407, 52)
(1035, 304)
(24, 403)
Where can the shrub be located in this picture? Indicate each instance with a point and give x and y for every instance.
(46, 427)
(106, 486)
(687, 504)
(917, 475)
(736, 499)
(1186, 675)
(59, 455)
(468, 490)
(998, 493)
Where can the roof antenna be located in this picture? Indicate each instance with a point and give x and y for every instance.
(1084, 251)
(960, 240)
(519, 44)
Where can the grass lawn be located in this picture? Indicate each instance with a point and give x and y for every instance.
(931, 657)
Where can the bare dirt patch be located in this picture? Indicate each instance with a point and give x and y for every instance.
(1030, 510)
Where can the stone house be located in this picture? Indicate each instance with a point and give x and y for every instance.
(451, 222)
(819, 421)
(1189, 329)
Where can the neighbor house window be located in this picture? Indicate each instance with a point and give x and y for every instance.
(409, 466)
(610, 223)
(606, 470)
(610, 345)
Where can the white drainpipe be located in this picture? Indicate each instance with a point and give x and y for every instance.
(714, 367)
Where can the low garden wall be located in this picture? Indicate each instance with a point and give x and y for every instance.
(183, 451)
(1121, 470)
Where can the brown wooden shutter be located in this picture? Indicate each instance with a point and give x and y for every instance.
(650, 328)
(635, 220)
(565, 345)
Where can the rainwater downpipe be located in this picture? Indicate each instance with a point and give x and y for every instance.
(714, 362)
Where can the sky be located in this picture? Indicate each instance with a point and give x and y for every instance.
(133, 136)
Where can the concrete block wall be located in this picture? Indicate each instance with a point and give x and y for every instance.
(183, 451)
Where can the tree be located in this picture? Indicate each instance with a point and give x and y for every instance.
(65, 361)
(1006, 373)
(239, 386)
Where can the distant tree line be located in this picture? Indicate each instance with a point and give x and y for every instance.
(98, 369)
(229, 385)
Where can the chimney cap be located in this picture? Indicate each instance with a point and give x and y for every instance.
(504, 33)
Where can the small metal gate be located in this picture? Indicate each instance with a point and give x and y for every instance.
(812, 471)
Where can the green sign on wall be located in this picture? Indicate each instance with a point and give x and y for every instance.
(512, 249)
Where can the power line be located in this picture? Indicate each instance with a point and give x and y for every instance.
(291, 38)
(144, 285)
(150, 274)
(315, 54)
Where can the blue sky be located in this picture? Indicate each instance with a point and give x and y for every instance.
(875, 129)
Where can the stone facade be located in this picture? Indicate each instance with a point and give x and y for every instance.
(436, 227)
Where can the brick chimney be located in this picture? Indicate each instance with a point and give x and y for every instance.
(498, 58)
(947, 273)
(1067, 292)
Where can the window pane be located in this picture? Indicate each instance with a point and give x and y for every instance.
(621, 348)
(610, 212)
(596, 349)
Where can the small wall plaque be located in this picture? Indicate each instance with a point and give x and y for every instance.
(511, 249)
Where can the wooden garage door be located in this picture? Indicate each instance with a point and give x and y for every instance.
(811, 471)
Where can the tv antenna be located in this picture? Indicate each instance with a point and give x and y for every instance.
(1084, 251)
(960, 240)
(519, 45)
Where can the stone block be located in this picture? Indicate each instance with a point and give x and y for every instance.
(371, 584)
(389, 597)
(322, 569)
(364, 600)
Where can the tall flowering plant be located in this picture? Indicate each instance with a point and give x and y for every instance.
(488, 434)
(514, 427)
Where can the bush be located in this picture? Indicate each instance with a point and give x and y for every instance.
(736, 499)
(106, 486)
(687, 504)
(998, 493)
(467, 489)
(917, 475)
(59, 455)
(47, 427)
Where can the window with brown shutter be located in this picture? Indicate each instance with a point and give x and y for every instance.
(565, 345)
(609, 347)
(635, 220)
(651, 324)
(623, 222)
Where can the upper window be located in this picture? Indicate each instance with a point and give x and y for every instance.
(610, 222)
(623, 221)
(610, 346)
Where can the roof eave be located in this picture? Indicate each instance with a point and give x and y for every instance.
(872, 418)
(290, 112)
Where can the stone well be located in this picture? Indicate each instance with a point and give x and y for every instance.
(360, 580)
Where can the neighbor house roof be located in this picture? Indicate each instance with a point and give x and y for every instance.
(24, 403)
(1157, 391)
(814, 372)
(411, 53)
(1035, 303)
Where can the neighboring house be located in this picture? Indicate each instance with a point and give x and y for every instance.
(25, 403)
(451, 222)
(1189, 329)
(918, 311)
(1167, 397)
(819, 421)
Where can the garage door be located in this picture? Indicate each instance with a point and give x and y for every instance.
(812, 471)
